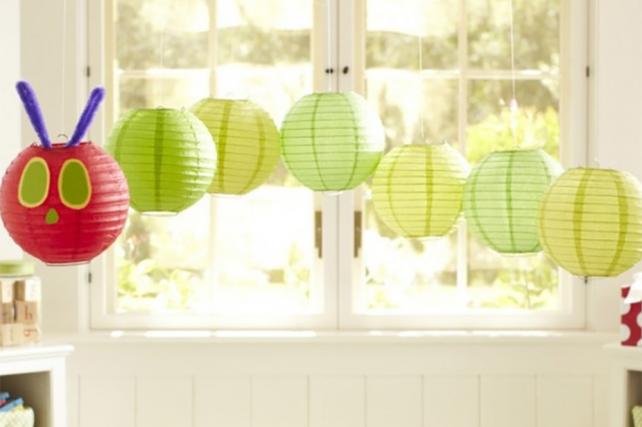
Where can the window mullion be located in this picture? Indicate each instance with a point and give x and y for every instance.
(462, 123)
(212, 46)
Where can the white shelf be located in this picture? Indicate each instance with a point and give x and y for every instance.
(37, 374)
(626, 383)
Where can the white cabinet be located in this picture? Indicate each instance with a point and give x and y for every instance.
(37, 374)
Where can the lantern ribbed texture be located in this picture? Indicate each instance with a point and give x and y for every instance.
(417, 189)
(76, 235)
(331, 141)
(168, 157)
(591, 222)
(247, 143)
(502, 195)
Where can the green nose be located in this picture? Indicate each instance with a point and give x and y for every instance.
(52, 216)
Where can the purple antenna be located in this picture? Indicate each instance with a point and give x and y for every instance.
(29, 100)
(87, 116)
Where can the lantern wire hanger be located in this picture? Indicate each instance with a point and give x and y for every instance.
(514, 106)
(63, 70)
(329, 67)
(161, 56)
(421, 104)
(420, 67)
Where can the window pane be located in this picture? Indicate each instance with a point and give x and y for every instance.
(499, 281)
(159, 91)
(490, 120)
(263, 52)
(396, 28)
(163, 262)
(421, 276)
(412, 108)
(228, 254)
(399, 274)
(536, 34)
(510, 282)
(161, 34)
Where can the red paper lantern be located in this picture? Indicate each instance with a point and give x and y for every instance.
(64, 205)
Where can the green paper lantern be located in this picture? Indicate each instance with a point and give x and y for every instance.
(502, 195)
(332, 141)
(590, 222)
(417, 189)
(168, 157)
(247, 143)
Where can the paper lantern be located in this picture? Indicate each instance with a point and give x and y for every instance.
(247, 143)
(590, 222)
(63, 203)
(331, 141)
(168, 157)
(417, 189)
(502, 195)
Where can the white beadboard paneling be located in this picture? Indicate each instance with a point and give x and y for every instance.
(279, 401)
(394, 401)
(163, 402)
(73, 401)
(564, 401)
(106, 402)
(451, 401)
(601, 397)
(337, 401)
(222, 402)
(508, 401)
(387, 384)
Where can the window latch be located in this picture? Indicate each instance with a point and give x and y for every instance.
(358, 232)
(318, 233)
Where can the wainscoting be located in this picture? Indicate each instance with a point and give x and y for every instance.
(375, 383)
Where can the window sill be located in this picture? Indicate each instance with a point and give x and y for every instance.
(343, 337)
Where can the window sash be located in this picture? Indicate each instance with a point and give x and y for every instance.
(342, 272)
(103, 273)
(573, 111)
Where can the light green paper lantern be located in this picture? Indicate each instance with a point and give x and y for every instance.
(168, 157)
(502, 195)
(247, 143)
(417, 189)
(590, 222)
(332, 141)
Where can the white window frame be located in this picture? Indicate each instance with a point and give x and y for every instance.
(103, 294)
(342, 272)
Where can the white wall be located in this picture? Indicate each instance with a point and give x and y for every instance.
(616, 120)
(9, 103)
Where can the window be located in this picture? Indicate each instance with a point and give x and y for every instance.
(283, 256)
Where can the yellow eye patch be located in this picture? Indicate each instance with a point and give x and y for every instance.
(74, 185)
(33, 187)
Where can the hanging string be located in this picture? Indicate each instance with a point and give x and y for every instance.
(513, 102)
(63, 70)
(329, 46)
(421, 104)
(161, 46)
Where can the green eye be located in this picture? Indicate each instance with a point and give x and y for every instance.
(74, 186)
(34, 183)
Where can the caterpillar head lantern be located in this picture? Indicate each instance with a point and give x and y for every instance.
(63, 203)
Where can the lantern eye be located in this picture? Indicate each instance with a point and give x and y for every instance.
(34, 183)
(74, 186)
